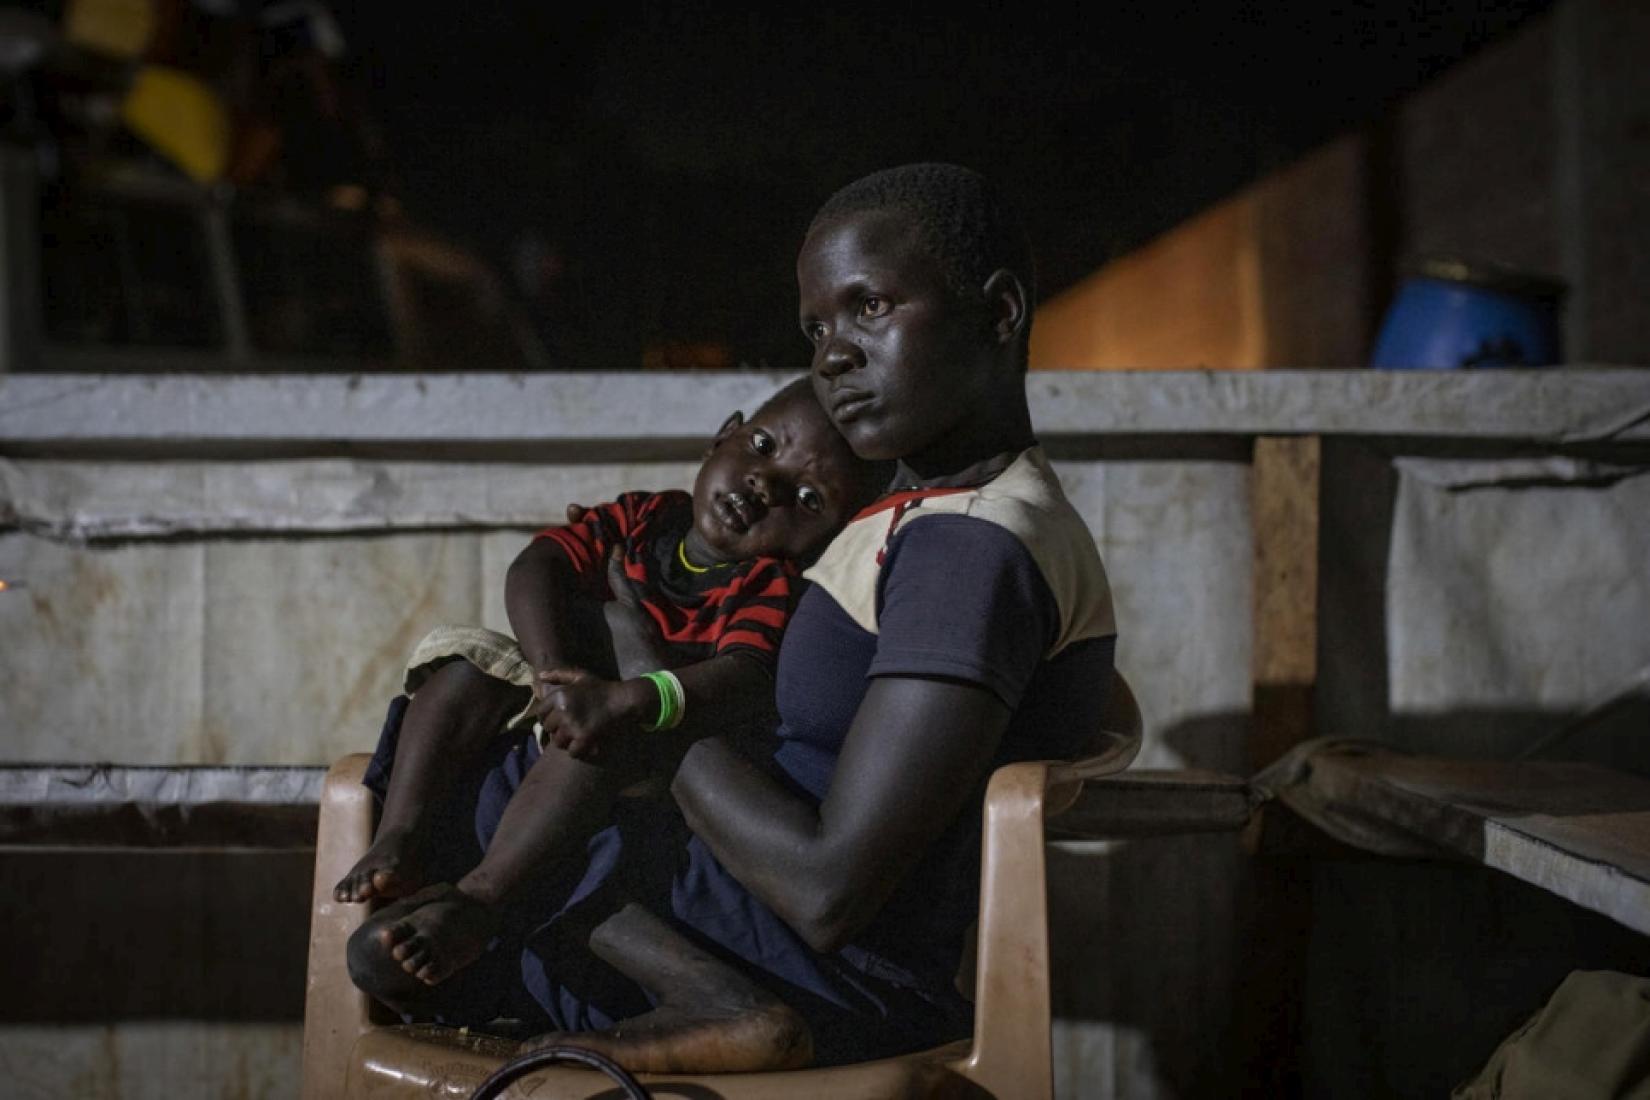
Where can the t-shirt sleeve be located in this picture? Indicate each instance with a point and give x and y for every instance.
(588, 542)
(757, 611)
(963, 599)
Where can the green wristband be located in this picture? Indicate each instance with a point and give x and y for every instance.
(672, 701)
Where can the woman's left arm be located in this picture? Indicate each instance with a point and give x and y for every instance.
(913, 757)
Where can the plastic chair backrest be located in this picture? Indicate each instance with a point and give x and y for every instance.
(1013, 1019)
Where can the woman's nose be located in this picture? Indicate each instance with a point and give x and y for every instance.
(838, 356)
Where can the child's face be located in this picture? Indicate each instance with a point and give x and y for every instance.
(778, 485)
(897, 355)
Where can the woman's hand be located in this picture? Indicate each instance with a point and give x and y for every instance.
(637, 647)
(579, 711)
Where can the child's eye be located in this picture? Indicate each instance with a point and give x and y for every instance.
(814, 331)
(873, 306)
(761, 442)
(809, 498)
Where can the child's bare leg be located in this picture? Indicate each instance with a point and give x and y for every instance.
(451, 718)
(560, 804)
(710, 1018)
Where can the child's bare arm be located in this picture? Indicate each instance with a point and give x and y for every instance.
(535, 598)
(566, 796)
(582, 712)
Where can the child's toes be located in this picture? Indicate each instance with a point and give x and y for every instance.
(384, 882)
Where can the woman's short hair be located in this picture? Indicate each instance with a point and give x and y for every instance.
(961, 218)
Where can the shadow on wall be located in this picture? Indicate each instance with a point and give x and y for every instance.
(1416, 971)
(1146, 940)
(113, 936)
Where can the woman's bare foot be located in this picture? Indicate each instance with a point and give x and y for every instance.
(704, 1039)
(710, 1019)
(436, 932)
(392, 868)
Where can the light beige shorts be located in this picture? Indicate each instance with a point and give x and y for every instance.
(496, 654)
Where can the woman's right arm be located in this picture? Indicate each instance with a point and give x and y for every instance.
(913, 757)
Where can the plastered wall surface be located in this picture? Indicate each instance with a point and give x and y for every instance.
(193, 606)
(1517, 599)
(159, 1060)
(1175, 538)
(251, 649)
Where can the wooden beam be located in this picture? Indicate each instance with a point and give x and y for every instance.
(1285, 666)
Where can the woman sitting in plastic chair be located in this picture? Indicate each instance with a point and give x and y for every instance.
(815, 907)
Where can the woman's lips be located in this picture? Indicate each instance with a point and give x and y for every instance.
(849, 405)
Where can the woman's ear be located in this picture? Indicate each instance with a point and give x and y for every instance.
(1005, 300)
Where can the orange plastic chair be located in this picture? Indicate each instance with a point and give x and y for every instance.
(353, 1049)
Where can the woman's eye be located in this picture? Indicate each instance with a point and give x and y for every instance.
(809, 498)
(762, 443)
(873, 306)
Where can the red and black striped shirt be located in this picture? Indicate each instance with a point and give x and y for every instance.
(737, 608)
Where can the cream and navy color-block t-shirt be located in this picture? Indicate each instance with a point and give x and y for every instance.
(998, 585)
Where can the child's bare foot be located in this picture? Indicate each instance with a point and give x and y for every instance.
(392, 868)
(436, 932)
(710, 1019)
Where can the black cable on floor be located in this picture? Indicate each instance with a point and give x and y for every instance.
(523, 1064)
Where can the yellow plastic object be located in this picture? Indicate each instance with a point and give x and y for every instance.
(1009, 1058)
(119, 28)
(182, 117)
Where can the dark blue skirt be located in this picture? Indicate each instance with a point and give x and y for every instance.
(539, 970)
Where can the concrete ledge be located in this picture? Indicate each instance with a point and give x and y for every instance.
(176, 808)
(44, 412)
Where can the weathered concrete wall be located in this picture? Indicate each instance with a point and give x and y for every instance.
(230, 569)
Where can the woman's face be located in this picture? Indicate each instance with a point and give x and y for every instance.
(898, 357)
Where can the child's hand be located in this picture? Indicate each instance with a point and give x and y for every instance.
(579, 711)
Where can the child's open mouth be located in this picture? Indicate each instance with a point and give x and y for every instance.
(737, 511)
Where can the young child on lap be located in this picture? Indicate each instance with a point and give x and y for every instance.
(715, 573)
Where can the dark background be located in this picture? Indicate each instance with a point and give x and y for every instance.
(647, 173)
